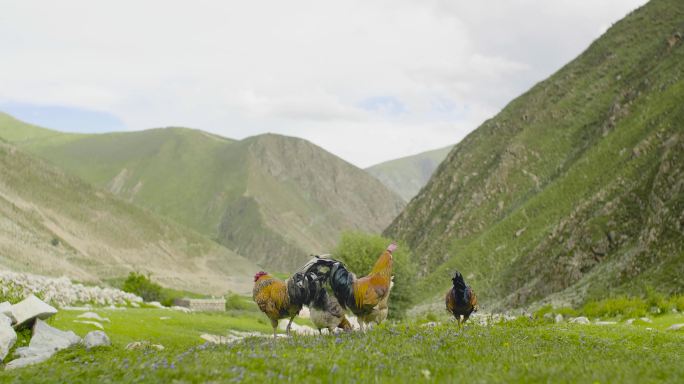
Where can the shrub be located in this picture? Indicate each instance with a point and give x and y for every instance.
(143, 286)
(616, 307)
(359, 251)
(235, 302)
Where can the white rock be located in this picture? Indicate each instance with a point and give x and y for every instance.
(605, 322)
(558, 318)
(296, 328)
(30, 308)
(155, 304)
(629, 321)
(93, 323)
(646, 320)
(94, 316)
(45, 342)
(675, 327)
(164, 318)
(305, 313)
(7, 336)
(144, 345)
(96, 339)
(579, 320)
(6, 309)
(135, 305)
(181, 309)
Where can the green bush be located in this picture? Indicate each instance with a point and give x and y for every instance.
(616, 307)
(235, 302)
(359, 251)
(143, 286)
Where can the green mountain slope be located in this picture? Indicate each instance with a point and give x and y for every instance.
(272, 198)
(576, 188)
(407, 175)
(55, 224)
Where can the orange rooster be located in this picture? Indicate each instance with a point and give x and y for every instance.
(366, 297)
(282, 299)
(461, 299)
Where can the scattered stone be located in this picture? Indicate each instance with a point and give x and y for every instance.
(558, 318)
(62, 292)
(155, 304)
(6, 309)
(629, 321)
(430, 324)
(96, 339)
(46, 341)
(7, 336)
(164, 318)
(580, 320)
(675, 327)
(144, 345)
(135, 305)
(181, 309)
(94, 316)
(93, 323)
(605, 322)
(296, 328)
(646, 320)
(30, 308)
(548, 315)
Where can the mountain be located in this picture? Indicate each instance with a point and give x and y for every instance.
(575, 190)
(272, 198)
(407, 175)
(55, 224)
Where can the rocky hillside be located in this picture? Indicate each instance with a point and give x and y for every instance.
(272, 198)
(407, 175)
(576, 188)
(55, 224)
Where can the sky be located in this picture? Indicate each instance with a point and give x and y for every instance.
(368, 80)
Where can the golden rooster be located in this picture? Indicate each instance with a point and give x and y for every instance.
(461, 299)
(367, 296)
(282, 299)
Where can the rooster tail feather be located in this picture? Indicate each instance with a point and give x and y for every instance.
(342, 284)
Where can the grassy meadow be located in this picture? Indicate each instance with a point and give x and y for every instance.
(522, 350)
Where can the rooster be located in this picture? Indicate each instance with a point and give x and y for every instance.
(367, 296)
(326, 312)
(284, 299)
(461, 299)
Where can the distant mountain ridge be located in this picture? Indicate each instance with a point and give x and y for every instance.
(574, 190)
(55, 224)
(272, 198)
(407, 175)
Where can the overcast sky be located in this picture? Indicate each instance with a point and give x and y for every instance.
(367, 80)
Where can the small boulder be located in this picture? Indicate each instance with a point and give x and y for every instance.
(93, 323)
(144, 345)
(675, 327)
(606, 322)
(629, 321)
(580, 320)
(6, 309)
(558, 319)
(92, 316)
(46, 341)
(155, 304)
(7, 336)
(96, 339)
(181, 309)
(646, 320)
(30, 308)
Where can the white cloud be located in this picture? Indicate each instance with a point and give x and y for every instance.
(307, 68)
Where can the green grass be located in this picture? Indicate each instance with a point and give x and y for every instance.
(519, 351)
